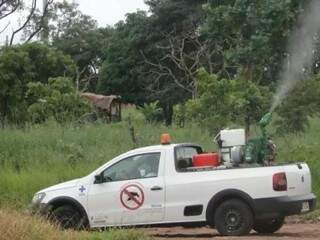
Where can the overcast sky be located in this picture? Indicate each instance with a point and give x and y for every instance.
(106, 12)
(110, 11)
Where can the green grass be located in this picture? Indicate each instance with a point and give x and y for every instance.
(40, 156)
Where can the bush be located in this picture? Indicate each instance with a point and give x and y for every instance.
(57, 99)
(179, 114)
(152, 112)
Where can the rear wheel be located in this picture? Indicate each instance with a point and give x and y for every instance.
(233, 218)
(67, 217)
(268, 226)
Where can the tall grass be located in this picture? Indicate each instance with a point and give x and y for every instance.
(40, 156)
(17, 226)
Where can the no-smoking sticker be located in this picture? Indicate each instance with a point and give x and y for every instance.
(132, 196)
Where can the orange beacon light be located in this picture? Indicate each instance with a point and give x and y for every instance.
(165, 138)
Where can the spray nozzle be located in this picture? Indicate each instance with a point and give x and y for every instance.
(265, 120)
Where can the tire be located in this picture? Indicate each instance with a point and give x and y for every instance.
(269, 226)
(233, 218)
(67, 217)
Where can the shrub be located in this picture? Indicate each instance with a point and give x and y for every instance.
(179, 114)
(152, 112)
(57, 99)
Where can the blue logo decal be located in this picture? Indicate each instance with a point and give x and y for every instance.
(82, 189)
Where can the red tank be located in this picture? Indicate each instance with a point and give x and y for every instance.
(206, 160)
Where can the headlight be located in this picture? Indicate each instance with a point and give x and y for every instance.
(38, 197)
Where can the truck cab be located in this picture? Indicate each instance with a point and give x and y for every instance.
(159, 185)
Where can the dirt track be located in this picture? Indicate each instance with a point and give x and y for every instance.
(289, 231)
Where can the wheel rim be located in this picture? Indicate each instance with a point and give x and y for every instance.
(233, 220)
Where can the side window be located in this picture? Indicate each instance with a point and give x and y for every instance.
(135, 167)
(183, 157)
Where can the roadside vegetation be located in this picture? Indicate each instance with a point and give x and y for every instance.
(42, 155)
(18, 226)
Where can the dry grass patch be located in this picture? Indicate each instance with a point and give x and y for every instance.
(18, 226)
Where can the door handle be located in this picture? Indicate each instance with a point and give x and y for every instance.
(156, 188)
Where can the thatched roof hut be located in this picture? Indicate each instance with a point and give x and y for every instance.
(110, 105)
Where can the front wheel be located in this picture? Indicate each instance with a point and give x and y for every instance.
(269, 226)
(233, 218)
(67, 217)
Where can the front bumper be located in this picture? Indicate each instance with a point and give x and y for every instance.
(283, 206)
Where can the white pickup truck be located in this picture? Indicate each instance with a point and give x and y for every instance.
(156, 186)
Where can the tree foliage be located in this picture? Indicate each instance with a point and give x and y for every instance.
(215, 60)
(15, 73)
(222, 102)
(137, 65)
(57, 99)
(121, 72)
(77, 35)
(302, 103)
(22, 64)
(252, 35)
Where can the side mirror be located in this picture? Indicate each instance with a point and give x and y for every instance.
(98, 179)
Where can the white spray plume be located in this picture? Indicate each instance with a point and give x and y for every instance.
(300, 52)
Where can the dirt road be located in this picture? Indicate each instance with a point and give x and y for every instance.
(289, 231)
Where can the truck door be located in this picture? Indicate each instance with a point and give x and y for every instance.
(133, 192)
(185, 189)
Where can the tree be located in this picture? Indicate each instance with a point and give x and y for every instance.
(183, 55)
(301, 104)
(48, 62)
(8, 7)
(33, 15)
(249, 102)
(57, 99)
(223, 101)
(38, 25)
(15, 71)
(180, 15)
(252, 35)
(22, 64)
(85, 49)
(77, 35)
(139, 64)
(122, 70)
